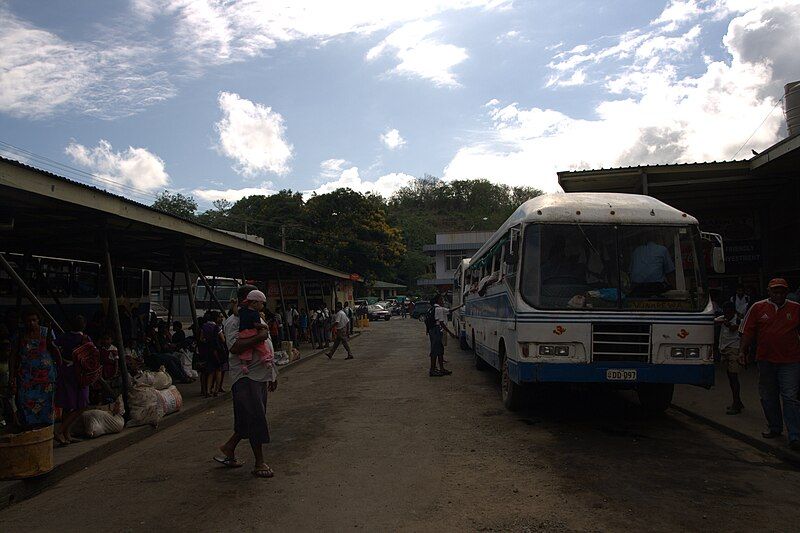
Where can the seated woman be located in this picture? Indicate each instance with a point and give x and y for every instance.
(159, 353)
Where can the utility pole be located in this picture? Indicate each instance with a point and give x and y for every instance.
(283, 238)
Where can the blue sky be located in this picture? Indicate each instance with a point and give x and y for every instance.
(222, 99)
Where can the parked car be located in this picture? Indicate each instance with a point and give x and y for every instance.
(376, 312)
(420, 310)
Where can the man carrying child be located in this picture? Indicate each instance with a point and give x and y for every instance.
(252, 380)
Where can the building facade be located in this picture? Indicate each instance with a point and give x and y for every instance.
(447, 253)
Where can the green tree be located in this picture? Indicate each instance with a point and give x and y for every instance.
(180, 205)
(350, 231)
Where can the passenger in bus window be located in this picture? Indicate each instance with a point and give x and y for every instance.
(652, 269)
(560, 268)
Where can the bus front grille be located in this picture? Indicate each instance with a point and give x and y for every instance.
(621, 342)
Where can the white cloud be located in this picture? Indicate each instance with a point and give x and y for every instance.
(653, 112)
(220, 31)
(392, 139)
(135, 167)
(420, 55)
(491, 103)
(233, 195)
(512, 36)
(41, 73)
(331, 168)
(253, 135)
(678, 12)
(349, 178)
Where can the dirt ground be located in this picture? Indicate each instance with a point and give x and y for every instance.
(375, 444)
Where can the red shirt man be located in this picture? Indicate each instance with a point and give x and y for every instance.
(774, 324)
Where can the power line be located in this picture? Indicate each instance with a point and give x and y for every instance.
(759, 126)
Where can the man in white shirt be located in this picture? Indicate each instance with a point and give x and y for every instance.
(249, 391)
(340, 329)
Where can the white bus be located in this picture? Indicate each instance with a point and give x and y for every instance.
(459, 291)
(594, 288)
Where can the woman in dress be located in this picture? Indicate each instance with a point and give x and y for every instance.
(35, 373)
(211, 350)
(71, 397)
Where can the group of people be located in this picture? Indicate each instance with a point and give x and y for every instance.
(38, 373)
(767, 332)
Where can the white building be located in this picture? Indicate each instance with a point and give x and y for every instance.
(449, 250)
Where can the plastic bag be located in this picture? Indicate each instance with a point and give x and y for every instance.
(160, 380)
(186, 362)
(171, 400)
(97, 422)
(145, 405)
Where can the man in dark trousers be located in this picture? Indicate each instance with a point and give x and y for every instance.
(774, 324)
(249, 390)
(340, 332)
(436, 324)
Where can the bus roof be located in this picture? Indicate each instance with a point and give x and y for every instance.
(591, 208)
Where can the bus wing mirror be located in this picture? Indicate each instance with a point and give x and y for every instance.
(718, 260)
(717, 252)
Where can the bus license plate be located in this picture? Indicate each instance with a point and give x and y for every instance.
(621, 374)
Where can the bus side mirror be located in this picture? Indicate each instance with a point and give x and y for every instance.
(717, 251)
(718, 260)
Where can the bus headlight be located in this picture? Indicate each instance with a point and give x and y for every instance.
(685, 352)
(559, 350)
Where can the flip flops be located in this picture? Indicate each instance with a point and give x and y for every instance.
(263, 471)
(230, 462)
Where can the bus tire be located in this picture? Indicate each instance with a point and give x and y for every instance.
(655, 397)
(511, 393)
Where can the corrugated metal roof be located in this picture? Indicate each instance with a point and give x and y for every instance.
(456, 246)
(56, 215)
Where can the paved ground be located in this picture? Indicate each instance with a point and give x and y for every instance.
(374, 444)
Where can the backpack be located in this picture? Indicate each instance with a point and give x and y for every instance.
(430, 318)
(87, 363)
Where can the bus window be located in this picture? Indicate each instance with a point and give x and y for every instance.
(85, 277)
(56, 274)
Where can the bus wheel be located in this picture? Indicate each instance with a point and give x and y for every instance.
(511, 392)
(655, 397)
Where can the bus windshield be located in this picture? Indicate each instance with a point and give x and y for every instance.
(224, 291)
(631, 268)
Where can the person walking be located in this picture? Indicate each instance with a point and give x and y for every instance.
(773, 325)
(326, 325)
(436, 325)
(350, 315)
(729, 353)
(250, 390)
(741, 301)
(340, 332)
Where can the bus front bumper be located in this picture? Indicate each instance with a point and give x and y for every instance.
(525, 372)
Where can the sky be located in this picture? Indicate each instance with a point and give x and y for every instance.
(222, 99)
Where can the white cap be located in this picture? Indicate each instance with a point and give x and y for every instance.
(256, 296)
